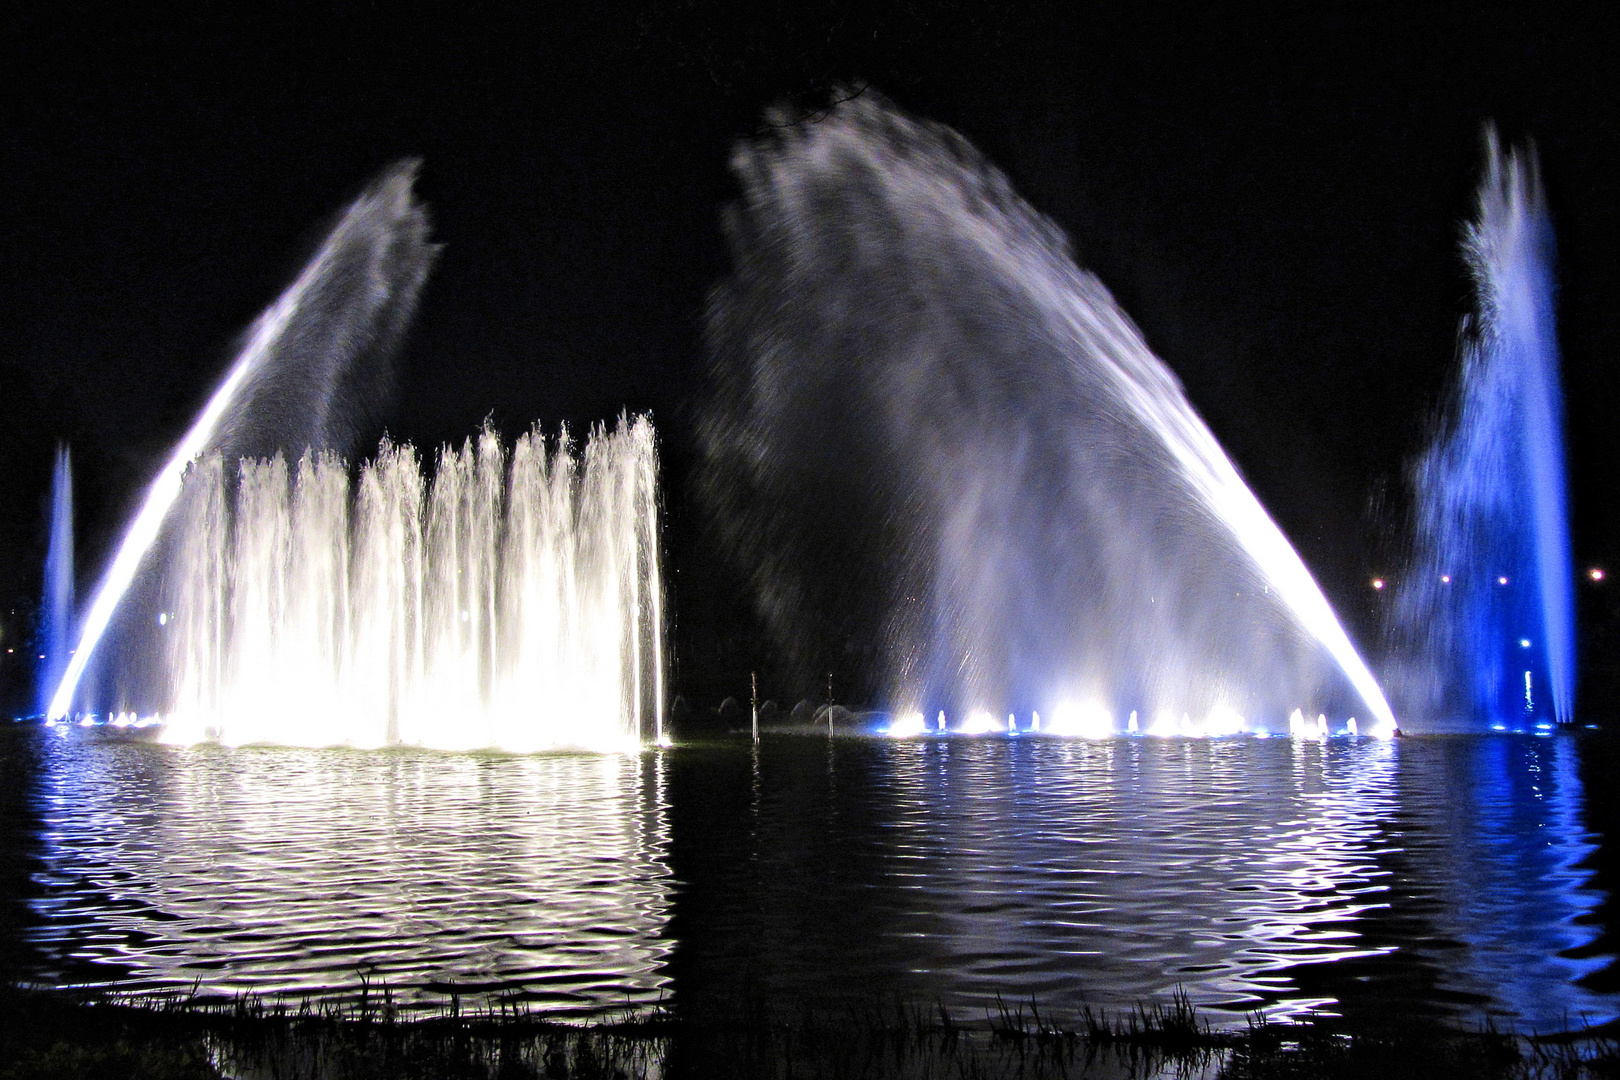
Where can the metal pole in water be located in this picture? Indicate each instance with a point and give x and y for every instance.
(829, 705)
(753, 687)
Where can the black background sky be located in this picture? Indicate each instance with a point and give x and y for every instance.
(1275, 196)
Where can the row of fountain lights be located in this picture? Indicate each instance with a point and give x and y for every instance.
(1096, 722)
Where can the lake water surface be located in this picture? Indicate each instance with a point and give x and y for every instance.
(1423, 877)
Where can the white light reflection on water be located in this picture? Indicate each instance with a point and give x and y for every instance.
(1365, 877)
(295, 871)
(1377, 879)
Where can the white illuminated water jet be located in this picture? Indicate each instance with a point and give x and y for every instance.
(301, 371)
(937, 442)
(515, 602)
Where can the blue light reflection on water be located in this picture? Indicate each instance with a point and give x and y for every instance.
(1277, 874)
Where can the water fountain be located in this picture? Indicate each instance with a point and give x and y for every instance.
(307, 372)
(1485, 619)
(57, 610)
(938, 444)
(513, 602)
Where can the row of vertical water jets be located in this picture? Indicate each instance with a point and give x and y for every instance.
(1097, 723)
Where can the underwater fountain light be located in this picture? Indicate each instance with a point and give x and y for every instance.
(1087, 720)
(908, 725)
(979, 722)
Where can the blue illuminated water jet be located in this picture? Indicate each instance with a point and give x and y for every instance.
(56, 637)
(1487, 614)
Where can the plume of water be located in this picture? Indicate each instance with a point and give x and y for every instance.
(57, 638)
(513, 602)
(1486, 616)
(939, 446)
(307, 372)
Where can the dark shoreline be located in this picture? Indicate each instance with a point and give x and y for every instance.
(59, 1035)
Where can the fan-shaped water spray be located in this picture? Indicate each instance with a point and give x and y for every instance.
(937, 443)
(305, 374)
(1487, 615)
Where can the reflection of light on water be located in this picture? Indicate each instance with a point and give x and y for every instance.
(1513, 889)
(1121, 870)
(288, 871)
(1118, 870)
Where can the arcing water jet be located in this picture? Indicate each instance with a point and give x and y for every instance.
(297, 380)
(939, 446)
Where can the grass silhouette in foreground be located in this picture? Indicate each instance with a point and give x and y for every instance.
(60, 1035)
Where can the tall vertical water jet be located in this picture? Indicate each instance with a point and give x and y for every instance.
(515, 602)
(1486, 618)
(307, 373)
(57, 636)
(940, 447)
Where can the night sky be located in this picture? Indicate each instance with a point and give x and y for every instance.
(1275, 198)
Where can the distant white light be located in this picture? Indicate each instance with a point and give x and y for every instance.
(1445, 579)
(163, 618)
(1524, 643)
(1501, 581)
(1596, 573)
(1350, 728)
(1378, 583)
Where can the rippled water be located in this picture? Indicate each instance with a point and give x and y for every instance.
(1438, 876)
